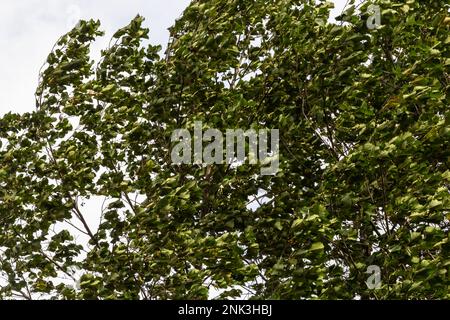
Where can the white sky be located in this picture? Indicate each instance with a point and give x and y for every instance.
(29, 28)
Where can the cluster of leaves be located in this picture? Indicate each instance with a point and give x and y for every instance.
(364, 158)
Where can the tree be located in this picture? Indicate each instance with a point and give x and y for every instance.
(364, 158)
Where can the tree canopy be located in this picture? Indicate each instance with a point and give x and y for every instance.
(364, 173)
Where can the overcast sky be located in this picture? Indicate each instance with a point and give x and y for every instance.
(29, 28)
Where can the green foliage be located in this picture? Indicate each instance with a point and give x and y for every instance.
(364, 166)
